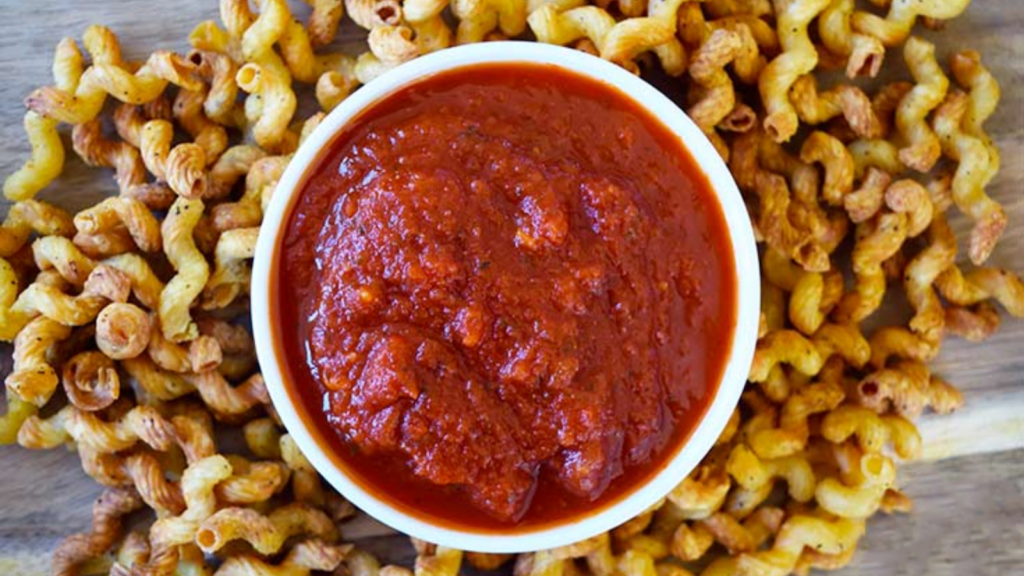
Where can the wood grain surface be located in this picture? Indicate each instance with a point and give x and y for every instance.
(969, 507)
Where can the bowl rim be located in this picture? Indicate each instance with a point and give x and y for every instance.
(730, 386)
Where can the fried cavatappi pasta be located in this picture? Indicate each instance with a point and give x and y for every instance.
(798, 57)
(897, 25)
(973, 173)
(922, 148)
(266, 533)
(45, 163)
(90, 381)
(863, 53)
(33, 379)
(267, 81)
(231, 268)
(814, 107)
(107, 512)
(192, 270)
(122, 330)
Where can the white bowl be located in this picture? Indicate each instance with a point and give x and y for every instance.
(734, 377)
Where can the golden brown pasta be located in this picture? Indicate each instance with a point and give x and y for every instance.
(877, 240)
(268, 81)
(301, 560)
(814, 107)
(90, 381)
(210, 136)
(837, 162)
(266, 533)
(981, 284)
(231, 269)
(45, 163)
(896, 26)
(28, 216)
(923, 148)
(85, 103)
(122, 330)
(107, 512)
(192, 270)
(974, 171)
(121, 211)
(863, 53)
(33, 379)
(798, 57)
(231, 166)
(225, 400)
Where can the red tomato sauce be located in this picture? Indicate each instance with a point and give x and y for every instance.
(505, 295)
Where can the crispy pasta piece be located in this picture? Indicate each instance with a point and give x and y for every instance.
(90, 381)
(844, 341)
(107, 512)
(33, 379)
(122, 330)
(907, 388)
(137, 219)
(192, 271)
(218, 70)
(708, 71)
(153, 382)
(274, 89)
(877, 240)
(797, 533)
(197, 488)
(793, 431)
(183, 167)
(252, 482)
(369, 14)
(814, 107)
(231, 268)
(85, 103)
(562, 25)
(875, 475)
(785, 346)
(655, 33)
(324, 20)
(266, 533)
(45, 162)
(922, 148)
(210, 136)
(982, 284)
(701, 493)
(837, 162)
(873, 432)
(96, 150)
(149, 479)
(225, 400)
(752, 472)
(28, 216)
(60, 254)
(141, 423)
(898, 23)
(921, 274)
(263, 437)
(973, 173)
(230, 167)
(864, 53)
(747, 536)
(798, 57)
(885, 101)
(145, 284)
(779, 231)
(392, 45)
(301, 560)
(974, 324)
(911, 198)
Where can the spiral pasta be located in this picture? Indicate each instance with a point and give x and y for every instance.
(266, 533)
(192, 270)
(974, 171)
(923, 148)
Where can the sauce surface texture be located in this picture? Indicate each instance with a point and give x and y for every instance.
(506, 295)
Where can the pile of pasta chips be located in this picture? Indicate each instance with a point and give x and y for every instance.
(126, 317)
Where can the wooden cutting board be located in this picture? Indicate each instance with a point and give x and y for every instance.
(969, 512)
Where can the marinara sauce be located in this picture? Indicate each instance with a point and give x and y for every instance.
(506, 295)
